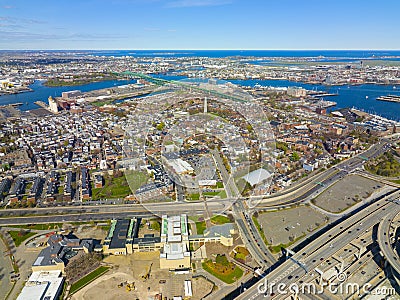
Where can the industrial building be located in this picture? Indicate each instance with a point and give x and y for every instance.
(42, 285)
(71, 94)
(180, 166)
(123, 238)
(296, 92)
(257, 176)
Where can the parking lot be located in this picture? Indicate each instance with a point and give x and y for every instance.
(346, 192)
(285, 226)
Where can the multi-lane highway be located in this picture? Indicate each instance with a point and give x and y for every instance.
(323, 247)
(251, 236)
(81, 213)
(319, 183)
(387, 236)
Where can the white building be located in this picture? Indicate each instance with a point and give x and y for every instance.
(42, 285)
(53, 105)
(180, 166)
(296, 92)
(175, 254)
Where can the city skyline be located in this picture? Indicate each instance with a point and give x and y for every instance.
(198, 24)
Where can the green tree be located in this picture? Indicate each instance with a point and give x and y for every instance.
(295, 156)
(160, 126)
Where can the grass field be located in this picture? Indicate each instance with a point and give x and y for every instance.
(384, 165)
(220, 219)
(193, 197)
(241, 254)
(88, 278)
(48, 226)
(20, 236)
(113, 188)
(228, 274)
(221, 194)
(200, 227)
(136, 179)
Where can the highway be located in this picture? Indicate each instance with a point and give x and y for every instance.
(251, 236)
(249, 233)
(81, 213)
(387, 241)
(324, 247)
(229, 182)
(321, 181)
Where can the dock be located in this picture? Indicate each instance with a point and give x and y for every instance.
(41, 104)
(389, 98)
(11, 104)
(320, 94)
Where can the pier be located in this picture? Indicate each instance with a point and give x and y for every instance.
(41, 104)
(321, 94)
(12, 104)
(389, 98)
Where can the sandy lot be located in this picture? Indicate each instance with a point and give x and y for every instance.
(345, 193)
(285, 225)
(130, 269)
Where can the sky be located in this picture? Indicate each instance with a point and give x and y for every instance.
(199, 24)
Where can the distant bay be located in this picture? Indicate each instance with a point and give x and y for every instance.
(349, 95)
(362, 96)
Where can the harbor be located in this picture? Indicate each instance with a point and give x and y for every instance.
(364, 97)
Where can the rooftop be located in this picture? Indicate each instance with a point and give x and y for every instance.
(257, 176)
(120, 234)
(42, 285)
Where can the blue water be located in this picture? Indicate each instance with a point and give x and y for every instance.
(349, 95)
(42, 93)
